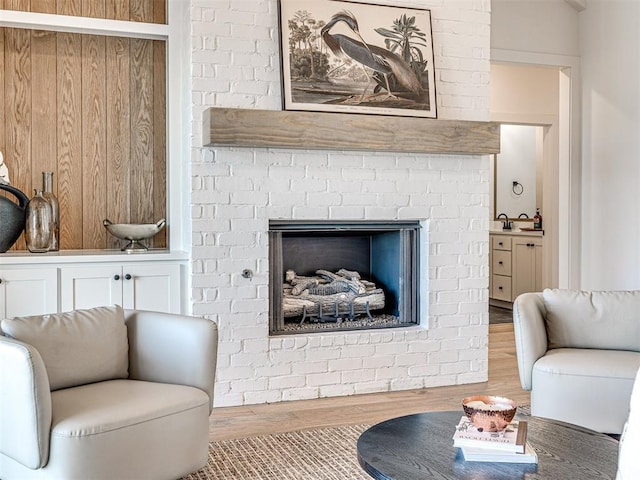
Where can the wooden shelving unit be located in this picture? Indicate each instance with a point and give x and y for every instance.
(345, 131)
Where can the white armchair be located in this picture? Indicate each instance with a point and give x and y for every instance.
(628, 462)
(578, 353)
(104, 394)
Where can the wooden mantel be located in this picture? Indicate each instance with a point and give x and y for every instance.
(346, 131)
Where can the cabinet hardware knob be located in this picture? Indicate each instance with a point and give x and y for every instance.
(500, 243)
(116, 277)
(0, 280)
(127, 276)
(499, 288)
(500, 263)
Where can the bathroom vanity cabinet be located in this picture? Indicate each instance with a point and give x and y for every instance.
(515, 265)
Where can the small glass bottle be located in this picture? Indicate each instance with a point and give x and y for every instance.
(39, 225)
(47, 193)
(537, 219)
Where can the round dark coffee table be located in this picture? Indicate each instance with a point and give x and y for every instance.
(420, 447)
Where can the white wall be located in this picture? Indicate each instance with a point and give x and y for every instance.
(543, 26)
(524, 93)
(610, 44)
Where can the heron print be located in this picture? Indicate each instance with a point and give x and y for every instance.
(352, 57)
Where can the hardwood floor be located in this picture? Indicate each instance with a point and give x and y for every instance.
(238, 422)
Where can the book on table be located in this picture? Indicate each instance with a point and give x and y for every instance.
(473, 454)
(511, 439)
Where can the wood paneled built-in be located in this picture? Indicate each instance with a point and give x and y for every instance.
(92, 110)
(118, 132)
(69, 137)
(17, 114)
(148, 11)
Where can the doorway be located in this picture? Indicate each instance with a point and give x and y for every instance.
(533, 95)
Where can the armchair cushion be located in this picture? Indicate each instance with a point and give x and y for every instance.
(601, 319)
(77, 347)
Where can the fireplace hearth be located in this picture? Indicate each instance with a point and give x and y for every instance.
(328, 275)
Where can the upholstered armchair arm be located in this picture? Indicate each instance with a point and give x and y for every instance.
(171, 348)
(25, 404)
(530, 333)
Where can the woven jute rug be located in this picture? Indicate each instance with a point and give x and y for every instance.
(319, 454)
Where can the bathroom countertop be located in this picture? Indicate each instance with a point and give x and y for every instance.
(518, 232)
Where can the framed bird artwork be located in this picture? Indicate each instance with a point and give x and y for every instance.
(343, 56)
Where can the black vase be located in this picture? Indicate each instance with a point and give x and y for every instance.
(12, 217)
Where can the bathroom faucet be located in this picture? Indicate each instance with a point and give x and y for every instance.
(506, 225)
(523, 215)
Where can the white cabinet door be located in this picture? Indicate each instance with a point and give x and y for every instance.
(90, 286)
(527, 266)
(154, 287)
(28, 291)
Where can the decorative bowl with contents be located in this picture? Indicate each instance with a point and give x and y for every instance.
(489, 413)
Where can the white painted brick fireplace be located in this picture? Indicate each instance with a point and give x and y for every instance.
(236, 191)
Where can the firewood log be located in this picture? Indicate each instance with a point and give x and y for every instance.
(350, 274)
(301, 286)
(354, 285)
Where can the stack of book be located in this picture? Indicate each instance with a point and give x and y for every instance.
(509, 445)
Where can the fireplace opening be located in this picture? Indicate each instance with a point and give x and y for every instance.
(328, 275)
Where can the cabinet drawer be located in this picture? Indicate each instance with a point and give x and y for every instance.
(501, 242)
(501, 263)
(501, 288)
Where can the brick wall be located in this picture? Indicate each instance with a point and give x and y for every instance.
(235, 63)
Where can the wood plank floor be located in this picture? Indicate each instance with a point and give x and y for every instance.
(238, 422)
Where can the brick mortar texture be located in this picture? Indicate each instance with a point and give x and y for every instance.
(235, 192)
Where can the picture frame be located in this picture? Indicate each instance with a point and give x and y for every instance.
(347, 56)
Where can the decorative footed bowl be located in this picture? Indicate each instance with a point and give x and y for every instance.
(134, 232)
(489, 413)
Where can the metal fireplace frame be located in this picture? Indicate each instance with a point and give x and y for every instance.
(406, 247)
